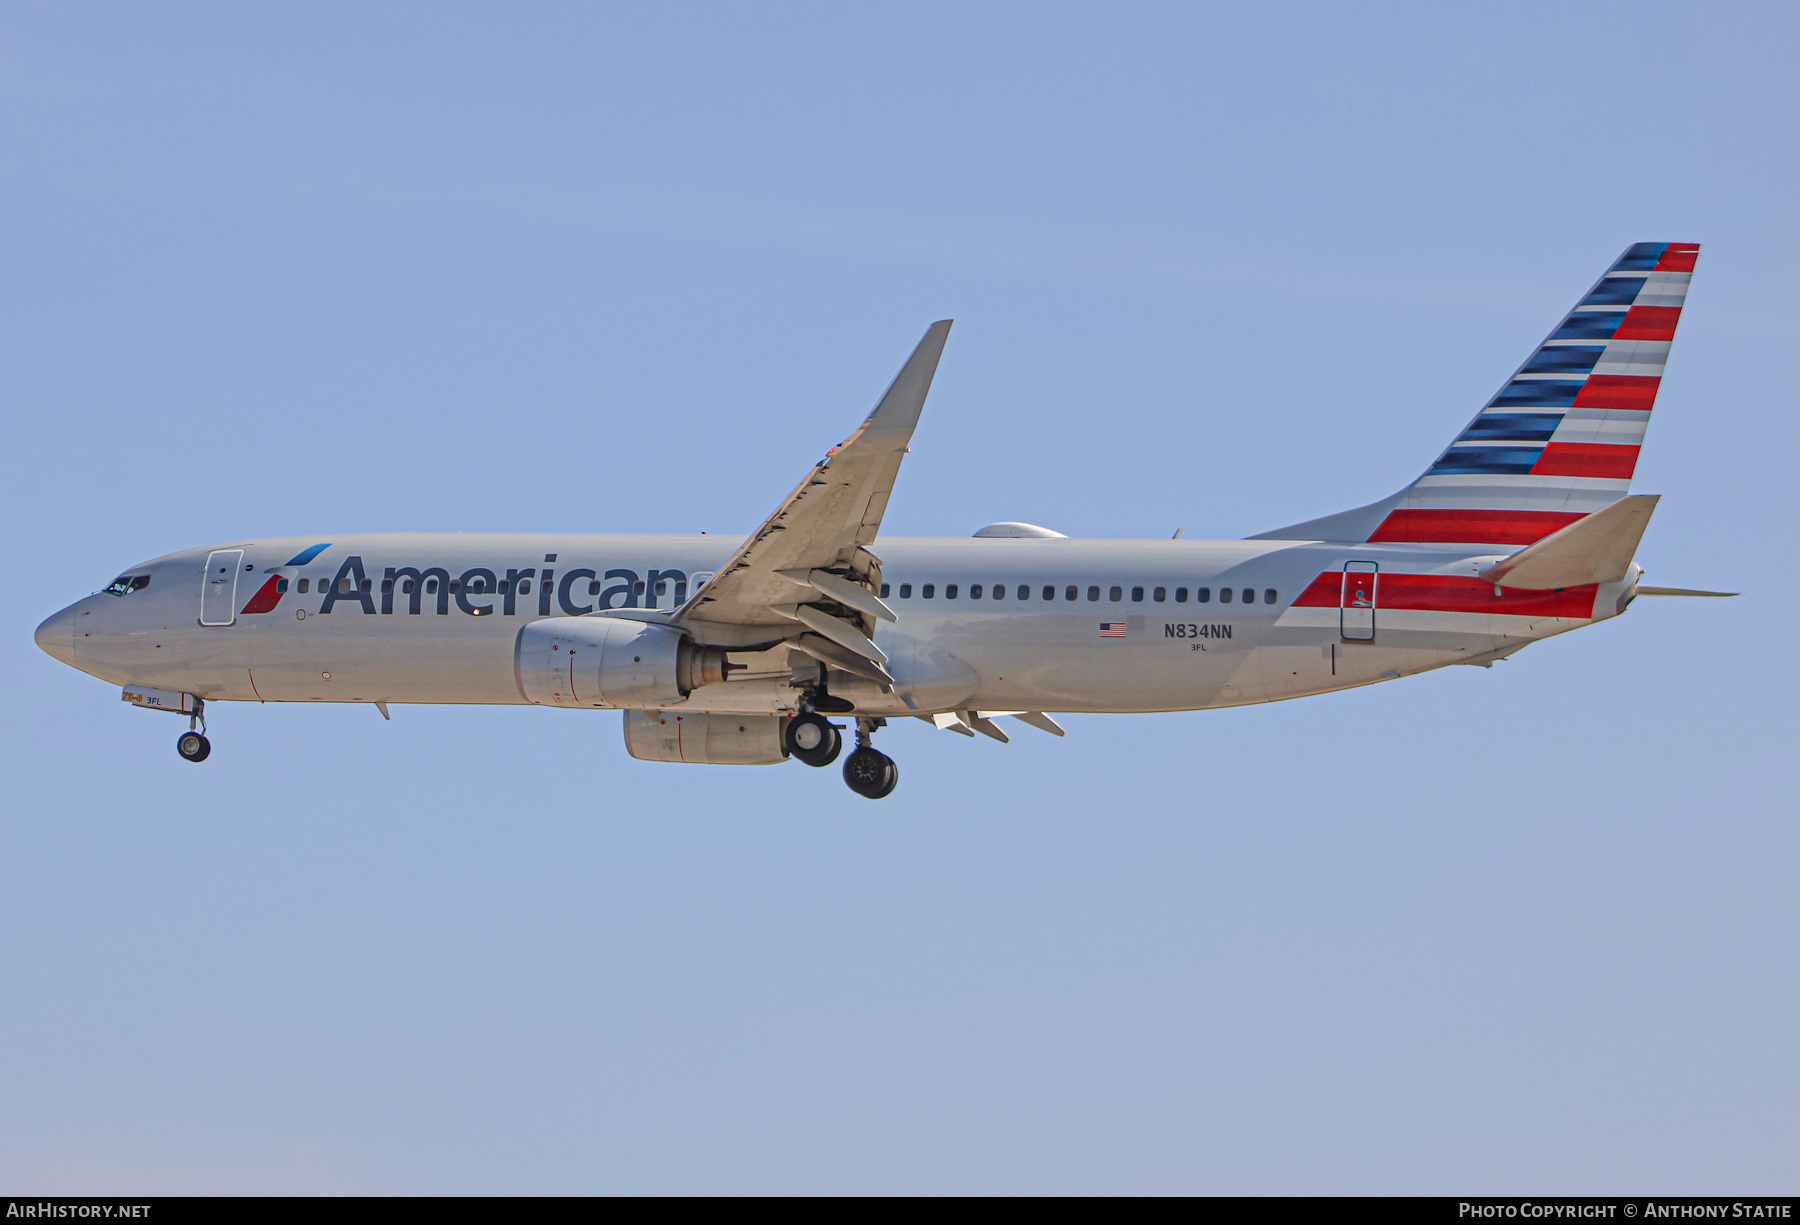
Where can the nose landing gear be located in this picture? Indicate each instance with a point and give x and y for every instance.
(868, 772)
(191, 744)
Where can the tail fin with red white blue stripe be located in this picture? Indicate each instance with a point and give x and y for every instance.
(1561, 438)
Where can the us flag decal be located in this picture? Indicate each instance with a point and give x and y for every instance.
(1112, 629)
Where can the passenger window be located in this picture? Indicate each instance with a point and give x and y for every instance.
(949, 591)
(1249, 595)
(1069, 592)
(366, 582)
(1268, 595)
(455, 585)
(637, 588)
(503, 588)
(524, 586)
(408, 588)
(593, 588)
(304, 584)
(1181, 595)
(974, 591)
(344, 585)
(1093, 594)
(1024, 592)
(999, 591)
(662, 586)
(1115, 594)
(387, 586)
(1224, 595)
(929, 590)
(884, 591)
(1202, 595)
(1160, 594)
(1137, 595)
(281, 586)
(431, 586)
(906, 591)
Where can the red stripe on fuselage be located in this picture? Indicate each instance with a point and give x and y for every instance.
(1449, 593)
(1513, 527)
(1598, 459)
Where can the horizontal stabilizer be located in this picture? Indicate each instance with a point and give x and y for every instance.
(1596, 548)
(1687, 591)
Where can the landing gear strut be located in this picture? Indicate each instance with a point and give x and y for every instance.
(812, 740)
(868, 772)
(191, 744)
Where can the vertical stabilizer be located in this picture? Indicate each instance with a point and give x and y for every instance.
(1561, 438)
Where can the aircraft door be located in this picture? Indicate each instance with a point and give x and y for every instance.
(1356, 608)
(218, 588)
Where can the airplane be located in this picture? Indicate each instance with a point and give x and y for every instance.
(744, 653)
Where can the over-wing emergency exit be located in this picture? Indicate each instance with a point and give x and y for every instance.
(815, 624)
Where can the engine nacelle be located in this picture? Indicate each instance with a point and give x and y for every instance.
(717, 740)
(609, 661)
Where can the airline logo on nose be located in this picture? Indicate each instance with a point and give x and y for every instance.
(269, 594)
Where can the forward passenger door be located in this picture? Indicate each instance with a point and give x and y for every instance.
(218, 587)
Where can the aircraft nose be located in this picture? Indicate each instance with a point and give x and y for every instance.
(56, 636)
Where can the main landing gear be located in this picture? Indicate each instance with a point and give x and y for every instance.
(868, 772)
(817, 742)
(812, 740)
(191, 744)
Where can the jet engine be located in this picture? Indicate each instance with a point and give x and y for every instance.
(701, 739)
(607, 661)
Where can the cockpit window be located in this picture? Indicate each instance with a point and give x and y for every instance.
(125, 584)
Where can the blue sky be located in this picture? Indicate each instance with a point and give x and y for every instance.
(324, 268)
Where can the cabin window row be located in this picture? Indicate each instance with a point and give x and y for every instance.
(1073, 591)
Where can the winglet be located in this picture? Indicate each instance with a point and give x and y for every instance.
(897, 415)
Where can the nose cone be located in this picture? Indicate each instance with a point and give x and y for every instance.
(57, 636)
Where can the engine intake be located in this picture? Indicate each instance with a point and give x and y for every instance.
(611, 662)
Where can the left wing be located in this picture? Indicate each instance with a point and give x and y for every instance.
(807, 570)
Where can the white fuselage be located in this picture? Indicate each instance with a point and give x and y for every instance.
(1136, 635)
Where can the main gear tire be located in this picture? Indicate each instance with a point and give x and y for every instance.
(813, 741)
(870, 773)
(193, 746)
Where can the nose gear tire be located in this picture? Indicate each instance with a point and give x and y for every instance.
(193, 746)
(871, 774)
